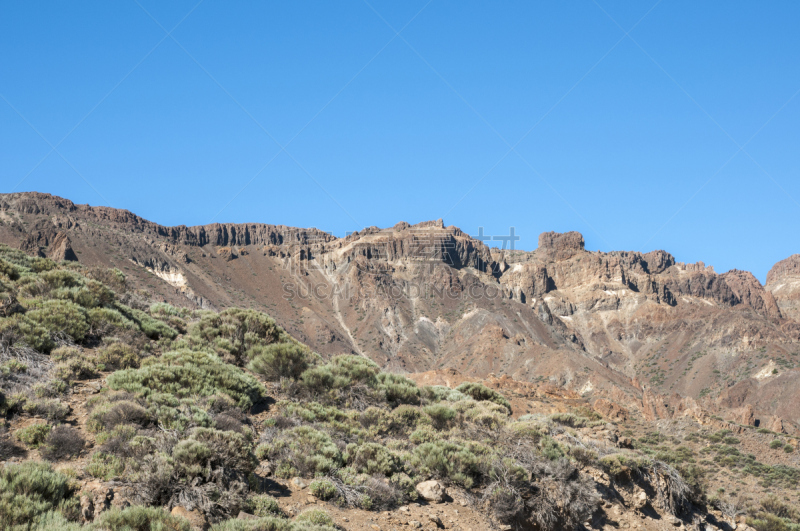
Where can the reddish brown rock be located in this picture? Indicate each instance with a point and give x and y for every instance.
(610, 410)
(560, 246)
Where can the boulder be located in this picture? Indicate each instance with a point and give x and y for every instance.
(195, 518)
(431, 491)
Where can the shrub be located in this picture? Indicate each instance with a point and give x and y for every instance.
(31, 489)
(105, 466)
(152, 328)
(264, 505)
(322, 488)
(211, 449)
(186, 374)
(280, 360)
(33, 435)
(8, 270)
(7, 447)
(61, 317)
(481, 392)
(259, 524)
(78, 367)
(21, 330)
(564, 498)
(440, 415)
(423, 434)
(772, 504)
(769, 522)
(137, 518)
(398, 389)
(52, 409)
(118, 356)
(788, 448)
(446, 460)
(373, 458)
(119, 412)
(63, 441)
(303, 451)
(315, 517)
(775, 444)
(236, 331)
(54, 521)
(405, 416)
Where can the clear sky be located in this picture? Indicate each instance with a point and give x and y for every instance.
(643, 125)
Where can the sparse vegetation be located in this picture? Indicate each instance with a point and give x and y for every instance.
(180, 421)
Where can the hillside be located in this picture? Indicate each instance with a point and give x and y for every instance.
(126, 413)
(634, 328)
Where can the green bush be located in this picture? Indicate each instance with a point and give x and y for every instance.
(30, 490)
(52, 409)
(152, 328)
(342, 371)
(105, 466)
(74, 364)
(263, 524)
(315, 517)
(33, 435)
(303, 451)
(440, 415)
(236, 331)
(188, 374)
(398, 389)
(406, 416)
(322, 488)
(481, 392)
(107, 321)
(8, 270)
(20, 329)
(54, 521)
(61, 317)
(770, 522)
(373, 458)
(208, 449)
(117, 356)
(775, 444)
(446, 460)
(279, 360)
(264, 505)
(788, 448)
(138, 518)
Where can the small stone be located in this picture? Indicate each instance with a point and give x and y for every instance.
(299, 483)
(415, 524)
(435, 519)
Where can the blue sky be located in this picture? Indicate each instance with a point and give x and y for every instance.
(681, 134)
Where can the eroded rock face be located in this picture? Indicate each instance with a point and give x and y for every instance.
(61, 249)
(561, 246)
(749, 291)
(783, 282)
(416, 297)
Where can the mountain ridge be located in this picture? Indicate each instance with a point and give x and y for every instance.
(424, 297)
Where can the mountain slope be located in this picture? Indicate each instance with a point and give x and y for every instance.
(619, 325)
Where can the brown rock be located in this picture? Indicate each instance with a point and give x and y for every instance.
(560, 246)
(195, 518)
(610, 410)
(61, 249)
(431, 491)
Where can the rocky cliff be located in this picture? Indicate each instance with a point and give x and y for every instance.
(428, 296)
